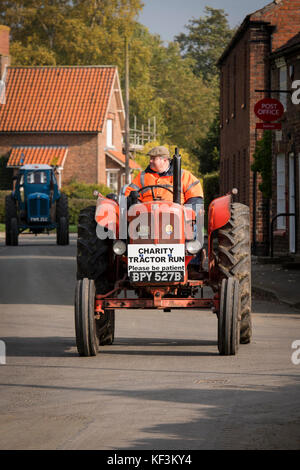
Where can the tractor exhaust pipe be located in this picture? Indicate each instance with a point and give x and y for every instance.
(177, 177)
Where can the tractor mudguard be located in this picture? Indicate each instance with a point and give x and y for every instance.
(218, 213)
(107, 214)
(218, 216)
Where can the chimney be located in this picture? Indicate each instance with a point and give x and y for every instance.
(4, 48)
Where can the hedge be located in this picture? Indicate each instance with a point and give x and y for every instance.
(75, 206)
(83, 190)
(2, 205)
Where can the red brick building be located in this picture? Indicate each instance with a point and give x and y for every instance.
(285, 66)
(69, 117)
(245, 67)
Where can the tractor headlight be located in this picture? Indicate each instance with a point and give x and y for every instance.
(193, 246)
(119, 247)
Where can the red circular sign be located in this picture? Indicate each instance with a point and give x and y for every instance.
(269, 109)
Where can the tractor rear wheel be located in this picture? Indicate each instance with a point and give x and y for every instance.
(10, 213)
(93, 263)
(228, 317)
(85, 322)
(62, 220)
(14, 231)
(234, 255)
(92, 252)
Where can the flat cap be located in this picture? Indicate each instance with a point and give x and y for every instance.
(159, 152)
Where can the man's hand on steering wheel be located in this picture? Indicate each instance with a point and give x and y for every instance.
(152, 191)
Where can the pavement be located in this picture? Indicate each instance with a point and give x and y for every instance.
(276, 281)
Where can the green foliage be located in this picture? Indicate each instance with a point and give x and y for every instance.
(207, 149)
(60, 32)
(2, 205)
(77, 190)
(205, 41)
(80, 195)
(263, 163)
(75, 206)
(188, 105)
(211, 190)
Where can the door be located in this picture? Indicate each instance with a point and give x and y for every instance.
(292, 206)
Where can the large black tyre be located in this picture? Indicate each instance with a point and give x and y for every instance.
(92, 253)
(228, 323)
(106, 328)
(234, 259)
(62, 220)
(93, 263)
(85, 323)
(10, 213)
(14, 231)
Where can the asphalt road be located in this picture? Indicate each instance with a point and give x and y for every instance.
(162, 385)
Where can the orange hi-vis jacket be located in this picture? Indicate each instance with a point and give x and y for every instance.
(190, 185)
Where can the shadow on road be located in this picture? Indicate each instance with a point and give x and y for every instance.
(222, 417)
(66, 347)
(55, 346)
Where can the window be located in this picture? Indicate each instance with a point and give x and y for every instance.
(112, 180)
(36, 177)
(281, 221)
(283, 85)
(109, 133)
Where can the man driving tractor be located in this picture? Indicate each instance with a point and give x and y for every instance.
(160, 172)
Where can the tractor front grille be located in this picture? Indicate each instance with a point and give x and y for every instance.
(33, 208)
(38, 208)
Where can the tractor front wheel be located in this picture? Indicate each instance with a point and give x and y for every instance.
(85, 322)
(228, 317)
(93, 263)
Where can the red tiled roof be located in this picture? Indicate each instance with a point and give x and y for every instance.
(54, 156)
(121, 157)
(56, 99)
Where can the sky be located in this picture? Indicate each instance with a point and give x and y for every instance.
(168, 17)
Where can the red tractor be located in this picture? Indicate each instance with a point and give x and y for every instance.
(156, 250)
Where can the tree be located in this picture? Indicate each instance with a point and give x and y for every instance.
(205, 41)
(207, 149)
(92, 32)
(75, 33)
(188, 104)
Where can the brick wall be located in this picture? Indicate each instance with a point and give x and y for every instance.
(113, 114)
(290, 142)
(285, 16)
(244, 69)
(81, 161)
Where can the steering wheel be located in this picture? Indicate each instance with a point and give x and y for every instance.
(154, 186)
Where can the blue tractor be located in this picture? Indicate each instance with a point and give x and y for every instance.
(36, 204)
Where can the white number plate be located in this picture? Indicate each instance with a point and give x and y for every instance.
(157, 276)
